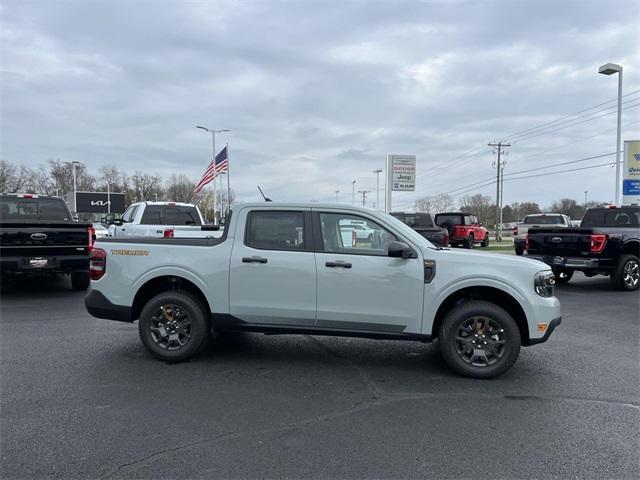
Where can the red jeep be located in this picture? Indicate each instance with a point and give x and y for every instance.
(463, 229)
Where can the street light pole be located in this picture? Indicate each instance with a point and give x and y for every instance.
(213, 184)
(337, 192)
(353, 192)
(585, 198)
(610, 69)
(378, 171)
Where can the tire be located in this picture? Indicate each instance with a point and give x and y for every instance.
(456, 352)
(175, 343)
(485, 242)
(626, 276)
(519, 251)
(563, 276)
(80, 280)
(468, 243)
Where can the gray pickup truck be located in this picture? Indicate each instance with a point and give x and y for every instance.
(423, 223)
(300, 268)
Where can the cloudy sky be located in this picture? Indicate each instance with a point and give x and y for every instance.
(317, 93)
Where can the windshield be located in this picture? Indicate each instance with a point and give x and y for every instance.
(406, 231)
(543, 220)
(17, 208)
(627, 217)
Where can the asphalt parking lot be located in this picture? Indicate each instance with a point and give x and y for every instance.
(80, 398)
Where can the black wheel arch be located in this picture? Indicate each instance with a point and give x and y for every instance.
(631, 247)
(487, 294)
(164, 284)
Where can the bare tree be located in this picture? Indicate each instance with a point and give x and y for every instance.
(143, 187)
(14, 178)
(110, 178)
(434, 204)
(61, 178)
(180, 188)
(481, 206)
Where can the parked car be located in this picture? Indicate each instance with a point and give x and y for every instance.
(607, 243)
(557, 220)
(360, 229)
(423, 224)
(285, 269)
(464, 229)
(38, 236)
(161, 219)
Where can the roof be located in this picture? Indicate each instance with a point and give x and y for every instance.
(344, 206)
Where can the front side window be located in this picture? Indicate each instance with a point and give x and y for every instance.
(344, 233)
(275, 230)
(130, 212)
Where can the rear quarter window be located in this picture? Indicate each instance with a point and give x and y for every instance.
(24, 209)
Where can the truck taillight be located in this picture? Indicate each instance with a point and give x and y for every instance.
(168, 233)
(91, 234)
(598, 241)
(446, 239)
(97, 263)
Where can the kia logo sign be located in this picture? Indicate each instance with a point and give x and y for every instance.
(39, 236)
(556, 239)
(102, 203)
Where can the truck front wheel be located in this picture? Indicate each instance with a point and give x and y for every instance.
(174, 326)
(626, 276)
(479, 339)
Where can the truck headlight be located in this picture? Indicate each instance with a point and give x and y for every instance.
(544, 283)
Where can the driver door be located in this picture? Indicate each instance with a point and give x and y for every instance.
(359, 286)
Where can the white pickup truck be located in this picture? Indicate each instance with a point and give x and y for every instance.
(545, 220)
(162, 219)
(286, 268)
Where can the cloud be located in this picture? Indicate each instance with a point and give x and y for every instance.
(316, 93)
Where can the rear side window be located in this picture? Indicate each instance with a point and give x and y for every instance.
(275, 230)
(16, 208)
(543, 220)
(612, 218)
(170, 215)
(452, 219)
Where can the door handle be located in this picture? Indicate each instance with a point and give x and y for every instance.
(254, 260)
(338, 264)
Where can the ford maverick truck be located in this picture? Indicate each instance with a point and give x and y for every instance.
(290, 269)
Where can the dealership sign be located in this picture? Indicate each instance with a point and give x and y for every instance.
(631, 176)
(403, 171)
(99, 202)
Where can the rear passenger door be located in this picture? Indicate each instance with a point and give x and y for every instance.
(272, 276)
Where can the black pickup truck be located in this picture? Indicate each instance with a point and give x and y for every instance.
(423, 224)
(39, 237)
(607, 243)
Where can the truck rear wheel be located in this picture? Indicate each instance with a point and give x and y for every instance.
(485, 242)
(174, 326)
(479, 339)
(468, 243)
(626, 276)
(80, 280)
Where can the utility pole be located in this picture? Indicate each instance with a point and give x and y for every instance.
(337, 192)
(585, 198)
(353, 192)
(499, 179)
(364, 196)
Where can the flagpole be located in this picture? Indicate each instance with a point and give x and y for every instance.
(228, 175)
(213, 184)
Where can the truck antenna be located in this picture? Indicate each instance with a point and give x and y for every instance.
(266, 199)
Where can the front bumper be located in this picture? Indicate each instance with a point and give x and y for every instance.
(550, 328)
(99, 306)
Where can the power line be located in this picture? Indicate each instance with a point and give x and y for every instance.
(547, 132)
(514, 134)
(562, 163)
(563, 171)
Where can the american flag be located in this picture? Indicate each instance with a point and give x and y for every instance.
(207, 177)
(221, 163)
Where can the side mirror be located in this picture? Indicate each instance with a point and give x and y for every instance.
(400, 250)
(118, 222)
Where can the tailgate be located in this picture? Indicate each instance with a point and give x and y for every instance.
(559, 241)
(21, 239)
